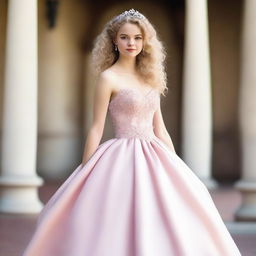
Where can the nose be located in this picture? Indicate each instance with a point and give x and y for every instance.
(131, 42)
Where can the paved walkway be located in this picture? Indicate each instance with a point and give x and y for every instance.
(16, 230)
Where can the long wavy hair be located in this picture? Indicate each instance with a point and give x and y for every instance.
(150, 62)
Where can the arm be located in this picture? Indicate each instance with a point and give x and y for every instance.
(102, 96)
(160, 129)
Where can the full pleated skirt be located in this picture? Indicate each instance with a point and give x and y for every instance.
(134, 197)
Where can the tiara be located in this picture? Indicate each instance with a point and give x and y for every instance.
(131, 13)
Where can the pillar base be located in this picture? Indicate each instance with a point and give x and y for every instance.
(19, 194)
(247, 210)
(210, 183)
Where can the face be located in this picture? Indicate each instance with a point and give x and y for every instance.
(129, 36)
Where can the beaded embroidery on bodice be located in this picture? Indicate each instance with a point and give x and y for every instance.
(132, 112)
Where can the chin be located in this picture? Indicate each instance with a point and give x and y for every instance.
(131, 53)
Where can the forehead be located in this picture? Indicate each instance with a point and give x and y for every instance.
(129, 29)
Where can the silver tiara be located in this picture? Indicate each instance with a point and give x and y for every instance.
(131, 13)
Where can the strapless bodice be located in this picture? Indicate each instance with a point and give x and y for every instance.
(132, 111)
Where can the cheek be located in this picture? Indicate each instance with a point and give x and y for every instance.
(122, 43)
(140, 43)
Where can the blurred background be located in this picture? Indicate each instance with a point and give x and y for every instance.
(66, 30)
(46, 96)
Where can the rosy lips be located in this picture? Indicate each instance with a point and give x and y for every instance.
(130, 50)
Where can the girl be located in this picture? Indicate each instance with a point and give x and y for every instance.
(131, 195)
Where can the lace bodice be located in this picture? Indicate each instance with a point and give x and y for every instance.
(132, 113)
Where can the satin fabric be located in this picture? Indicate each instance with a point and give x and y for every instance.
(134, 197)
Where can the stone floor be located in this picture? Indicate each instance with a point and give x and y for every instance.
(16, 230)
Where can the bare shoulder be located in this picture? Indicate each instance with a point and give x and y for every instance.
(107, 79)
(107, 74)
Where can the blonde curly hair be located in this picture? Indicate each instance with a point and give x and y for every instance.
(150, 62)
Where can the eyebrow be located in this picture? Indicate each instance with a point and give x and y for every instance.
(127, 35)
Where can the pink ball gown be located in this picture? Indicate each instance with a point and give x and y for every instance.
(133, 197)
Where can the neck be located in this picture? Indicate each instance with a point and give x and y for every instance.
(127, 64)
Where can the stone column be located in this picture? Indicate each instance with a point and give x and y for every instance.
(247, 115)
(19, 181)
(60, 90)
(197, 109)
